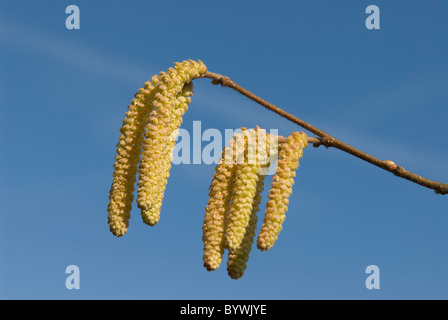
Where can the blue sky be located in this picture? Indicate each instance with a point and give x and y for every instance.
(63, 95)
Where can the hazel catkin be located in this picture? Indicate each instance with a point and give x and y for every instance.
(238, 258)
(266, 152)
(248, 149)
(245, 188)
(121, 193)
(281, 188)
(170, 102)
(214, 225)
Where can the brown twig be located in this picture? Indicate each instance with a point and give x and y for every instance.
(329, 141)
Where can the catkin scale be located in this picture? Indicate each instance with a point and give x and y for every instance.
(281, 188)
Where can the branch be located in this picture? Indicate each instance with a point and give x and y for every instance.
(329, 141)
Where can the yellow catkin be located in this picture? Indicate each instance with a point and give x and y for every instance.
(245, 189)
(238, 258)
(220, 193)
(242, 149)
(266, 151)
(170, 102)
(281, 189)
(129, 147)
(156, 163)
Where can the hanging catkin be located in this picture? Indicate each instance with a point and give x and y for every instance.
(170, 102)
(250, 147)
(283, 180)
(220, 193)
(237, 260)
(245, 188)
(129, 147)
(266, 151)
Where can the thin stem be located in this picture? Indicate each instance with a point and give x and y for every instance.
(328, 140)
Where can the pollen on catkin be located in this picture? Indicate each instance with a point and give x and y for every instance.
(281, 188)
(170, 103)
(121, 193)
(214, 225)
